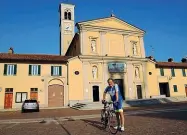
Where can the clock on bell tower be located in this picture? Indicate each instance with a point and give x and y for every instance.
(66, 26)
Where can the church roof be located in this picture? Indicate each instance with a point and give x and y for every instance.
(105, 18)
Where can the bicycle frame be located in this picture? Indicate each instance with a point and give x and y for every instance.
(106, 114)
(107, 106)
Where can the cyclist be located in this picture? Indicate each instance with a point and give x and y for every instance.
(116, 97)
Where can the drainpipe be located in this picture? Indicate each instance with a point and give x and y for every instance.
(68, 81)
(67, 72)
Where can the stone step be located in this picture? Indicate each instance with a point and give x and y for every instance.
(78, 106)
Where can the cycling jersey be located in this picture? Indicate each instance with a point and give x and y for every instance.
(112, 91)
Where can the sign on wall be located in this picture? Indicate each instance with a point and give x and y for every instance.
(116, 67)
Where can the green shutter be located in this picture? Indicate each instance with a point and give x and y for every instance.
(60, 70)
(30, 69)
(183, 72)
(51, 70)
(39, 69)
(173, 72)
(15, 69)
(5, 69)
(162, 72)
(175, 88)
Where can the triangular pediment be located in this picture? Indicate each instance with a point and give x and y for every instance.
(112, 22)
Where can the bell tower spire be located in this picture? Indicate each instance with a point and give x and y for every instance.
(66, 26)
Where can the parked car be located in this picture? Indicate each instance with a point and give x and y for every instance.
(30, 105)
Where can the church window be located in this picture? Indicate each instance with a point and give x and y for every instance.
(67, 15)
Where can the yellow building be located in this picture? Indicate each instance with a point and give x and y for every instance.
(41, 77)
(102, 48)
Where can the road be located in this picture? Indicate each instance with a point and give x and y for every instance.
(162, 121)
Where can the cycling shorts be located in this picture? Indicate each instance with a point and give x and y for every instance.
(118, 107)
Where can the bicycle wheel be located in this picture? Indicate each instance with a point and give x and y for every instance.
(104, 119)
(113, 123)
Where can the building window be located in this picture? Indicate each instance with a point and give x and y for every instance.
(161, 71)
(56, 71)
(34, 93)
(173, 72)
(10, 69)
(175, 88)
(34, 70)
(21, 97)
(184, 72)
(8, 90)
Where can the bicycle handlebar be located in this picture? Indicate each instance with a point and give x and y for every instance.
(105, 102)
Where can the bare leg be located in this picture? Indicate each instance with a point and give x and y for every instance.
(118, 119)
(122, 119)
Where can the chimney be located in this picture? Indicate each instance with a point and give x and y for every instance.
(170, 60)
(11, 50)
(151, 58)
(184, 60)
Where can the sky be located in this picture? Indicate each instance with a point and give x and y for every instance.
(33, 26)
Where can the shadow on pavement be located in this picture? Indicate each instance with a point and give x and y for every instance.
(180, 115)
(61, 125)
(96, 124)
(147, 102)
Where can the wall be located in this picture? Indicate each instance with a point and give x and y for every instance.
(152, 80)
(110, 44)
(22, 82)
(178, 80)
(75, 82)
(113, 38)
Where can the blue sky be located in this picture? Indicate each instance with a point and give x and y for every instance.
(33, 26)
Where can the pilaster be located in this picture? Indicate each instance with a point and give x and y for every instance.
(144, 68)
(102, 43)
(142, 48)
(131, 89)
(82, 41)
(86, 90)
(126, 44)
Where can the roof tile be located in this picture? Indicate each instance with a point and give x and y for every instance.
(171, 64)
(33, 57)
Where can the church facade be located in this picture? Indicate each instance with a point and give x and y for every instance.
(110, 47)
(102, 48)
(106, 47)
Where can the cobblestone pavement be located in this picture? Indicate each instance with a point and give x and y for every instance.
(64, 112)
(165, 123)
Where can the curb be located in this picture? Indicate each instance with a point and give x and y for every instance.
(126, 107)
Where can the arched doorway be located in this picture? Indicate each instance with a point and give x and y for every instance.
(95, 93)
(55, 95)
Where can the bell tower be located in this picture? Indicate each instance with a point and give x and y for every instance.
(67, 26)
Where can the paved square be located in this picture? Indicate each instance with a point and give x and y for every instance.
(166, 123)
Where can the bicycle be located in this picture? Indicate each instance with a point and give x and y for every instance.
(108, 117)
